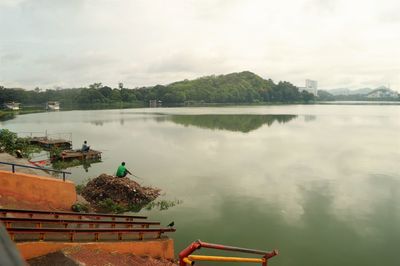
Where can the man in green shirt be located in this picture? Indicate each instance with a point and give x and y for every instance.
(122, 171)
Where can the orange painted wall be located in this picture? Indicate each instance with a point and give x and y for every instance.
(44, 192)
(163, 248)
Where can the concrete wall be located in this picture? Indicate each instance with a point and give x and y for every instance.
(163, 248)
(45, 193)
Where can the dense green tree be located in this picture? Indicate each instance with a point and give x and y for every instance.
(106, 91)
(115, 95)
(90, 96)
(325, 96)
(128, 95)
(307, 97)
(243, 87)
(96, 85)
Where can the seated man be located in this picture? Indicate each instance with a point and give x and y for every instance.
(19, 153)
(122, 171)
(85, 147)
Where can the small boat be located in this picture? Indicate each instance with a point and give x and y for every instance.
(41, 163)
(52, 106)
(12, 106)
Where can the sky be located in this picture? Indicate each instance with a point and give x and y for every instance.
(58, 43)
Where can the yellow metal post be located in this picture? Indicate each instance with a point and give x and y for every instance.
(224, 259)
(187, 261)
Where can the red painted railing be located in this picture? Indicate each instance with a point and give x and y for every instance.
(72, 233)
(185, 257)
(39, 222)
(35, 225)
(79, 215)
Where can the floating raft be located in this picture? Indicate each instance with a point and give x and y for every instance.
(77, 154)
(51, 143)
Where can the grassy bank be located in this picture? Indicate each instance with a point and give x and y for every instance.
(100, 106)
(8, 114)
(5, 115)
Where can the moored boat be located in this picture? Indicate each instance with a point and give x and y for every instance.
(52, 106)
(12, 106)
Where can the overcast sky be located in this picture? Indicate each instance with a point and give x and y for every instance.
(71, 43)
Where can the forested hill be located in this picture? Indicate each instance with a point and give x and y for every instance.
(243, 87)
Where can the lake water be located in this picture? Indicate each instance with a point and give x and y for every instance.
(321, 183)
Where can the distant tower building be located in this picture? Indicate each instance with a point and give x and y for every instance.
(311, 87)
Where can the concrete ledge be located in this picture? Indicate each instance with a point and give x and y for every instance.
(43, 192)
(160, 248)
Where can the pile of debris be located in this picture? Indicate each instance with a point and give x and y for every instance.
(121, 191)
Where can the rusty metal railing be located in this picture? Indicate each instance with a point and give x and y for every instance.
(72, 233)
(39, 222)
(47, 223)
(186, 257)
(79, 215)
(14, 165)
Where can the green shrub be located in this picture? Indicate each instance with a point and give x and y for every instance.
(80, 207)
(79, 188)
(8, 140)
(162, 204)
(108, 205)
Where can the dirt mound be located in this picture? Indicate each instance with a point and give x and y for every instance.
(91, 257)
(122, 191)
(51, 259)
(81, 255)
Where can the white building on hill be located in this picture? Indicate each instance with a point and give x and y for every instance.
(311, 87)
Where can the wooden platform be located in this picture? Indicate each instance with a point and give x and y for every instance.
(76, 154)
(51, 143)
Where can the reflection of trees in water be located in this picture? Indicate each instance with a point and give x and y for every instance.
(97, 123)
(309, 118)
(242, 123)
(86, 164)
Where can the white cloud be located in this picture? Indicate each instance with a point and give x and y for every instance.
(339, 43)
(10, 3)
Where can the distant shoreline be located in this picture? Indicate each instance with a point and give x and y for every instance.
(6, 114)
(360, 102)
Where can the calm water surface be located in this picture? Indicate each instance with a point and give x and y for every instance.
(320, 183)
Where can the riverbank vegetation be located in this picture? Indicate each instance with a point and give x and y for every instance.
(237, 88)
(8, 114)
(5, 115)
(20, 146)
(11, 143)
